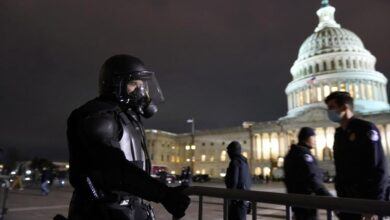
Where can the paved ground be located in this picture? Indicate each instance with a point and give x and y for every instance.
(30, 205)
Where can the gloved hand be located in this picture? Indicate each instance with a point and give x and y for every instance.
(176, 202)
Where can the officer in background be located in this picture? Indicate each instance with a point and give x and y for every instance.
(302, 174)
(237, 177)
(109, 162)
(361, 166)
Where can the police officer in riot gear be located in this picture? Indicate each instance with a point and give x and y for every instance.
(302, 174)
(361, 165)
(109, 162)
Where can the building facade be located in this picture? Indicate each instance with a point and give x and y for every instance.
(331, 59)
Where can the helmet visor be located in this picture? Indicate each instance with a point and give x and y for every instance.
(150, 85)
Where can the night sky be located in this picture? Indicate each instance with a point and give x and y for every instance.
(222, 62)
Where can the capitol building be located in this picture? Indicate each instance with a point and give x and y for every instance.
(331, 59)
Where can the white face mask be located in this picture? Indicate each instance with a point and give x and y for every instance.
(334, 116)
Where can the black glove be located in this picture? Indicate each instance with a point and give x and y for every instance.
(176, 202)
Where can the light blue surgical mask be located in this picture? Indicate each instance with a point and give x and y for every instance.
(334, 115)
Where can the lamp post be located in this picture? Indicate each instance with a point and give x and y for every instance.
(248, 126)
(192, 146)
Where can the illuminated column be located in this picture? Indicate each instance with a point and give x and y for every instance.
(265, 146)
(362, 90)
(258, 147)
(274, 145)
(281, 144)
(384, 93)
(320, 142)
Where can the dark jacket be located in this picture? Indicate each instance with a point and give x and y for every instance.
(361, 165)
(237, 174)
(302, 174)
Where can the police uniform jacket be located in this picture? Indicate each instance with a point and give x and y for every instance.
(302, 174)
(361, 166)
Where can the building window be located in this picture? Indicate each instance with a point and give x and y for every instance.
(162, 157)
(223, 156)
(333, 66)
(325, 66)
(203, 158)
(244, 142)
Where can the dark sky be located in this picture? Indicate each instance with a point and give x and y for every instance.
(221, 62)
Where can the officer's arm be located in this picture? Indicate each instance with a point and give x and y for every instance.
(315, 178)
(232, 175)
(111, 162)
(374, 169)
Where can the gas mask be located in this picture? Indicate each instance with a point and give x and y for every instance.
(145, 93)
(140, 101)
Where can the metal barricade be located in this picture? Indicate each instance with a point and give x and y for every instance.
(380, 208)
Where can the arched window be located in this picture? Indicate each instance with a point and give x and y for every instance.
(332, 64)
(348, 64)
(317, 68)
(341, 64)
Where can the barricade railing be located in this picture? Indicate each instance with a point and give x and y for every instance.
(380, 208)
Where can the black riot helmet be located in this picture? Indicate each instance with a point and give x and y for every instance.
(125, 79)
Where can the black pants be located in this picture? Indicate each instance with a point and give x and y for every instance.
(237, 210)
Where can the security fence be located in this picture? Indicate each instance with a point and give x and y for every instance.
(380, 208)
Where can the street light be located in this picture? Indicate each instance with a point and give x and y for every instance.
(192, 146)
(248, 125)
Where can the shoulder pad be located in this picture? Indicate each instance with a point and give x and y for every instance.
(101, 128)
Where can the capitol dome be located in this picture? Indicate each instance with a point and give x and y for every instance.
(335, 59)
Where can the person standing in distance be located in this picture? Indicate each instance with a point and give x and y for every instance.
(302, 174)
(109, 162)
(361, 165)
(237, 177)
